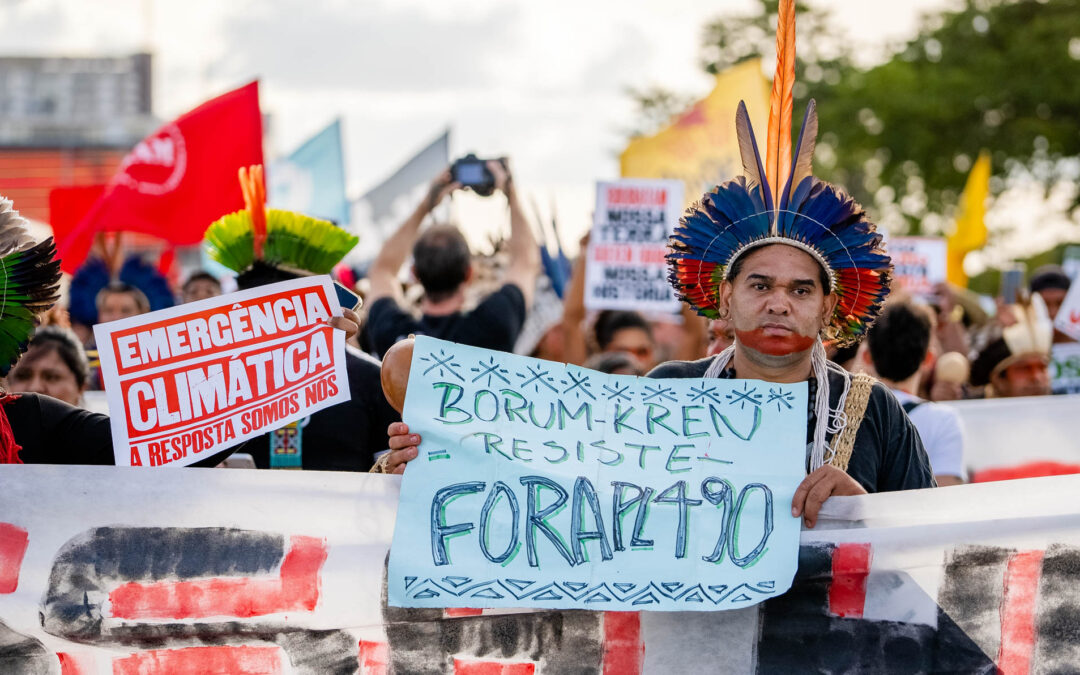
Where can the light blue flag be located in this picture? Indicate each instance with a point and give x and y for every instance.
(546, 485)
(312, 179)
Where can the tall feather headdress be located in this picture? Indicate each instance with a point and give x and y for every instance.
(29, 283)
(778, 201)
(257, 235)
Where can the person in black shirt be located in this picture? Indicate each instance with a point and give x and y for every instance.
(442, 265)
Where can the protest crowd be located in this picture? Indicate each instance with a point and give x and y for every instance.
(294, 342)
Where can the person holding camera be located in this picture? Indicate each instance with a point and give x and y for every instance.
(442, 263)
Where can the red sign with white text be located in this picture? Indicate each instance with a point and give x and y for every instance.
(187, 382)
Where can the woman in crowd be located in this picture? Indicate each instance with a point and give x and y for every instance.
(54, 365)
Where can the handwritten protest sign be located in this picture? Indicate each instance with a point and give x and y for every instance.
(918, 263)
(186, 382)
(545, 485)
(1068, 316)
(625, 266)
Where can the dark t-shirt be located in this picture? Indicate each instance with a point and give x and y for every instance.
(344, 437)
(888, 454)
(493, 324)
(53, 432)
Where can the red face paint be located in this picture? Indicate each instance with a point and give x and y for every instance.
(774, 342)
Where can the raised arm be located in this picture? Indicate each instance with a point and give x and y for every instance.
(574, 347)
(524, 264)
(382, 275)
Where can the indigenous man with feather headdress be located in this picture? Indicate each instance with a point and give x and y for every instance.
(790, 261)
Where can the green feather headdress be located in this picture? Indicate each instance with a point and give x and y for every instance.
(29, 283)
(277, 238)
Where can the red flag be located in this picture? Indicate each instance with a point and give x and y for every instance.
(69, 205)
(179, 179)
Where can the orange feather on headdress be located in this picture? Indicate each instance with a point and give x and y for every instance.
(781, 103)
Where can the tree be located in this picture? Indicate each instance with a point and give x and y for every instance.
(901, 135)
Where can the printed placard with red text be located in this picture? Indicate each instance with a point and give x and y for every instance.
(187, 382)
(626, 267)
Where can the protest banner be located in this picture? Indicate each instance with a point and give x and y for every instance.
(186, 382)
(1022, 437)
(547, 485)
(918, 263)
(1068, 316)
(625, 262)
(101, 574)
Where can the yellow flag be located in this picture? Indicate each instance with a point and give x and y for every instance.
(699, 147)
(970, 233)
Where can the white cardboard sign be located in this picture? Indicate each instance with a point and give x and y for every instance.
(918, 263)
(186, 382)
(625, 265)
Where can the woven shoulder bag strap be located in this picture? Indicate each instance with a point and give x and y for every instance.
(854, 409)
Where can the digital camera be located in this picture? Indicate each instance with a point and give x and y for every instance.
(473, 173)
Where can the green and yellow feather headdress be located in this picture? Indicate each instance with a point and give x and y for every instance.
(273, 237)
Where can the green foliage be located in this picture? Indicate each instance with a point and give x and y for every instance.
(901, 136)
(292, 240)
(997, 74)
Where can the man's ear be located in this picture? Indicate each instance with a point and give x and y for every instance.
(828, 306)
(723, 297)
(412, 273)
(469, 273)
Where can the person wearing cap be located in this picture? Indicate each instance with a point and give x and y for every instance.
(1015, 364)
(1052, 284)
(789, 261)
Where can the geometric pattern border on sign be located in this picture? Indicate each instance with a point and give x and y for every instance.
(600, 595)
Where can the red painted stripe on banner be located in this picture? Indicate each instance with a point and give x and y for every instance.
(374, 658)
(207, 660)
(850, 567)
(296, 588)
(1028, 470)
(13, 542)
(468, 667)
(624, 652)
(77, 664)
(1018, 612)
(459, 612)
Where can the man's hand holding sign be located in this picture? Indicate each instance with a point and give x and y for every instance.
(188, 382)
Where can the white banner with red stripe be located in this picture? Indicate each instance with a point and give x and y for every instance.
(114, 570)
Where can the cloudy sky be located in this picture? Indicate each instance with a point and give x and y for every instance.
(542, 82)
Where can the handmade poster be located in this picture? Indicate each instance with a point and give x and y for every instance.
(545, 485)
(625, 265)
(1068, 316)
(186, 382)
(918, 263)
